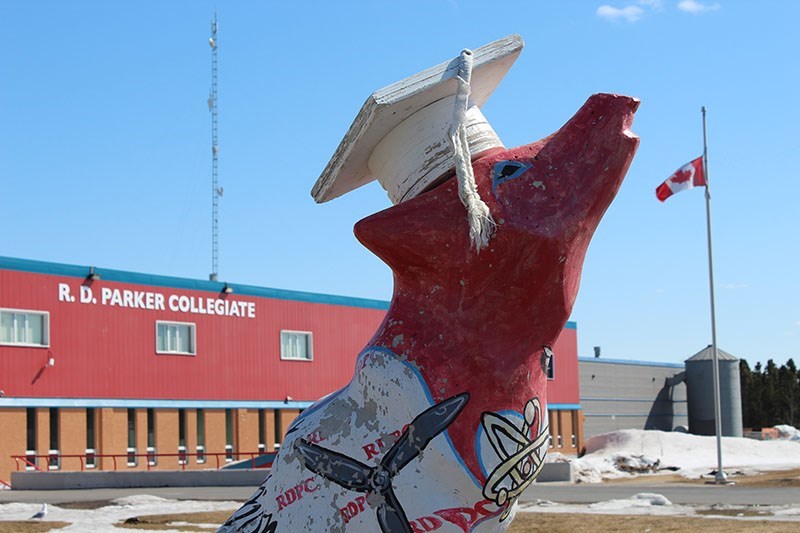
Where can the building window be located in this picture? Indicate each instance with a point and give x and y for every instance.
(26, 328)
(559, 430)
(175, 337)
(55, 454)
(152, 459)
(553, 427)
(228, 435)
(91, 443)
(201, 436)
(181, 436)
(30, 439)
(262, 430)
(132, 460)
(278, 429)
(575, 425)
(297, 345)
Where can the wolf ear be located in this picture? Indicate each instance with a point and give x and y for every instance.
(416, 233)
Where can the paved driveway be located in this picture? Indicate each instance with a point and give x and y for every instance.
(556, 492)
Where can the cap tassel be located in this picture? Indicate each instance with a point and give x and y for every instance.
(481, 224)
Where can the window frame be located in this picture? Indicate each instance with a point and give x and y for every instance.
(550, 371)
(200, 426)
(131, 457)
(182, 453)
(54, 455)
(31, 424)
(45, 328)
(309, 335)
(91, 438)
(152, 451)
(230, 435)
(193, 335)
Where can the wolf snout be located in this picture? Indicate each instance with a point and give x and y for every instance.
(616, 107)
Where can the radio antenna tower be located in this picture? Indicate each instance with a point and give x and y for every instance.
(216, 190)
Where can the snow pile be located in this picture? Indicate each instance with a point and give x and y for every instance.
(637, 464)
(629, 452)
(644, 503)
(556, 457)
(643, 500)
(104, 518)
(788, 432)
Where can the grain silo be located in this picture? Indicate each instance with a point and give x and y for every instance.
(700, 393)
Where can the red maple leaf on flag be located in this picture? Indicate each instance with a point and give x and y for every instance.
(682, 176)
(688, 176)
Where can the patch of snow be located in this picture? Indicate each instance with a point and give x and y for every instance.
(788, 432)
(104, 518)
(192, 524)
(630, 452)
(139, 499)
(644, 503)
(643, 499)
(637, 464)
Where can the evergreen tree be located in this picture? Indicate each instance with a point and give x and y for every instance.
(769, 391)
(795, 393)
(785, 394)
(757, 411)
(770, 395)
(747, 385)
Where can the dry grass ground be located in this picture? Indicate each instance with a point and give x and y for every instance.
(30, 527)
(163, 521)
(524, 523)
(788, 478)
(783, 478)
(570, 523)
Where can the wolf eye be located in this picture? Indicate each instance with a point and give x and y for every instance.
(507, 170)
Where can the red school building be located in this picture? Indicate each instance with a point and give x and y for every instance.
(107, 369)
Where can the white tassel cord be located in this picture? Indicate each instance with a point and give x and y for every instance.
(481, 225)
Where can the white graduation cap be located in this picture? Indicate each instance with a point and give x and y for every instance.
(402, 136)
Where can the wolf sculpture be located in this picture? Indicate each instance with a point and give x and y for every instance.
(444, 423)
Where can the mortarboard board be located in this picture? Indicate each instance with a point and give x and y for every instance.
(400, 135)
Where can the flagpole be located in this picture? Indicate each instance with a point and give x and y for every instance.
(720, 475)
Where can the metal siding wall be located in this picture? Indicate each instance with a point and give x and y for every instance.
(623, 396)
(564, 388)
(102, 351)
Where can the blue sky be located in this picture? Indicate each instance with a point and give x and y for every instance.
(105, 146)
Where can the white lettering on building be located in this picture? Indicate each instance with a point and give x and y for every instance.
(157, 301)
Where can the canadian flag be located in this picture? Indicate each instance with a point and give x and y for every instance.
(688, 176)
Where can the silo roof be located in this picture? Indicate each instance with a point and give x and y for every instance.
(707, 354)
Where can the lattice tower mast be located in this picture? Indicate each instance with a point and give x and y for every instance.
(216, 190)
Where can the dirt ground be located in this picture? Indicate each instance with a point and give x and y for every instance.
(569, 523)
(30, 527)
(790, 478)
(523, 523)
(783, 478)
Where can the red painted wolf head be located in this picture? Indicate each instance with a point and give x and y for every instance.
(479, 322)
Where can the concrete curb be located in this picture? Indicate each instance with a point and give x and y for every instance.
(153, 478)
(188, 478)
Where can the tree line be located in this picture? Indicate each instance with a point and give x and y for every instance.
(770, 394)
